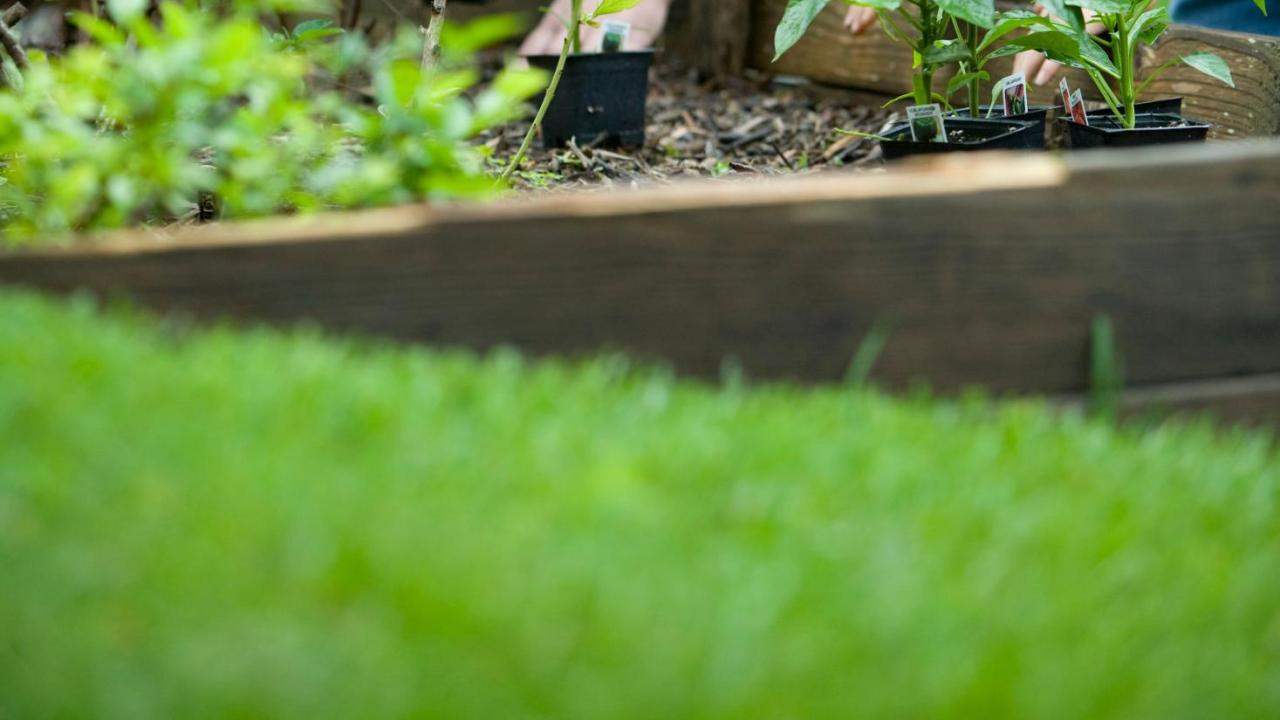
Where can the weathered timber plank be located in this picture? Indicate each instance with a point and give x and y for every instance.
(989, 270)
(716, 34)
(1253, 400)
(829, 54)
(1251, 108)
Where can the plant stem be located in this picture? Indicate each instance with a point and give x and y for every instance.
(575, 25)
(1123, 52)
(923, 80)
(975, 85)
(546, 103)
(431, 40)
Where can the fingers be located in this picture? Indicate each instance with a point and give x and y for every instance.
(1028, 62)
(1047, 72)
(858, 19)
(545, 39)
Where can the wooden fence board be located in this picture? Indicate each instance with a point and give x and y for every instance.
(988, 269)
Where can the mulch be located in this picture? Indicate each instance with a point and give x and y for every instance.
(751, 128)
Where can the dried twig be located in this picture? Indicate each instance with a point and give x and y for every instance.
(12, 46)
(431, 43)
(16, 12)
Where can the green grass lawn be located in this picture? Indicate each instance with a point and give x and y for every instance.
(257, 524)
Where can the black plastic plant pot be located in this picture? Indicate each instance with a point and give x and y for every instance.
(601, 99)
(964, 135)
(1151, 129)
(1169, 106)
(1037, 116)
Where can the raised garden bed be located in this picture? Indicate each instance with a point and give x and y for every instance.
(988, 271)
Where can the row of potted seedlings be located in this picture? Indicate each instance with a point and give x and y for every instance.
(1101, 37)
(599, 96)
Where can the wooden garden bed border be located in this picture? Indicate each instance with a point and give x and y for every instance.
(988, 270)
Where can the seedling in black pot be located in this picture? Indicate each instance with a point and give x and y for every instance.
(926, 27)
(594, 97)
(1110, 59)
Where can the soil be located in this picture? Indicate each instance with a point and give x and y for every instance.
(1111, 123)
(750, 128)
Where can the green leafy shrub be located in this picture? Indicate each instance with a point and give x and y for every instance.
(136, 126)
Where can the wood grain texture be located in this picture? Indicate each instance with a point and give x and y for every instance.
(721, 32)
(1252, 400)
(989, 270)
(1249, 109)
(830, 54)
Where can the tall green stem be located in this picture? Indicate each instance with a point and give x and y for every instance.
(975, 85)
(1124, 56)
(923, 80)
(565, 50)
(575, 25)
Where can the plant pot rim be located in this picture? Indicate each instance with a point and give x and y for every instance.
(1031, 110)
(1188, 124)
(1013, 126)
(579, 55)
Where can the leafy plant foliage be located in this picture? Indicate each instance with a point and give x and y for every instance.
(140, 124)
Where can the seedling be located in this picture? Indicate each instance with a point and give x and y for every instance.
(921, 25)
(572, 44)
(1110, 58)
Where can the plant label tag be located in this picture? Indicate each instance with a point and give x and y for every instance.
(926, 123)
(614, 37)
(1065, 89)
(1078, 114)
(1014, 92)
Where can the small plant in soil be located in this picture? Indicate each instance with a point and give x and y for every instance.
(939, 33)
(1111, 57)
(921, 25)
(589, 93)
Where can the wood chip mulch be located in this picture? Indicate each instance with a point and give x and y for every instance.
(753, 128)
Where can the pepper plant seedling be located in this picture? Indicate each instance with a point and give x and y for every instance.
(572, 44)
(1128, 25)
(922, 25)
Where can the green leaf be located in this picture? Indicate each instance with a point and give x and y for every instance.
(125, 11)
(978, 12)
(945, 52)
(308, 25)
(1262, 5)
(795, 21)
(963, 79)
(1106, 7)
(1149, 26)
(1070, 15)
(1009, 22)
(610, 7)
(1211, 65)
(1065, 46)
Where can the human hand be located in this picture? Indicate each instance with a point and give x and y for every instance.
(858, 19)
(1034, 65)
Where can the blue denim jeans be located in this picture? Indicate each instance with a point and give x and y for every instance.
(1237, 15)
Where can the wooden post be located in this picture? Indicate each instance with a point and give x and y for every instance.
(717, 36)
